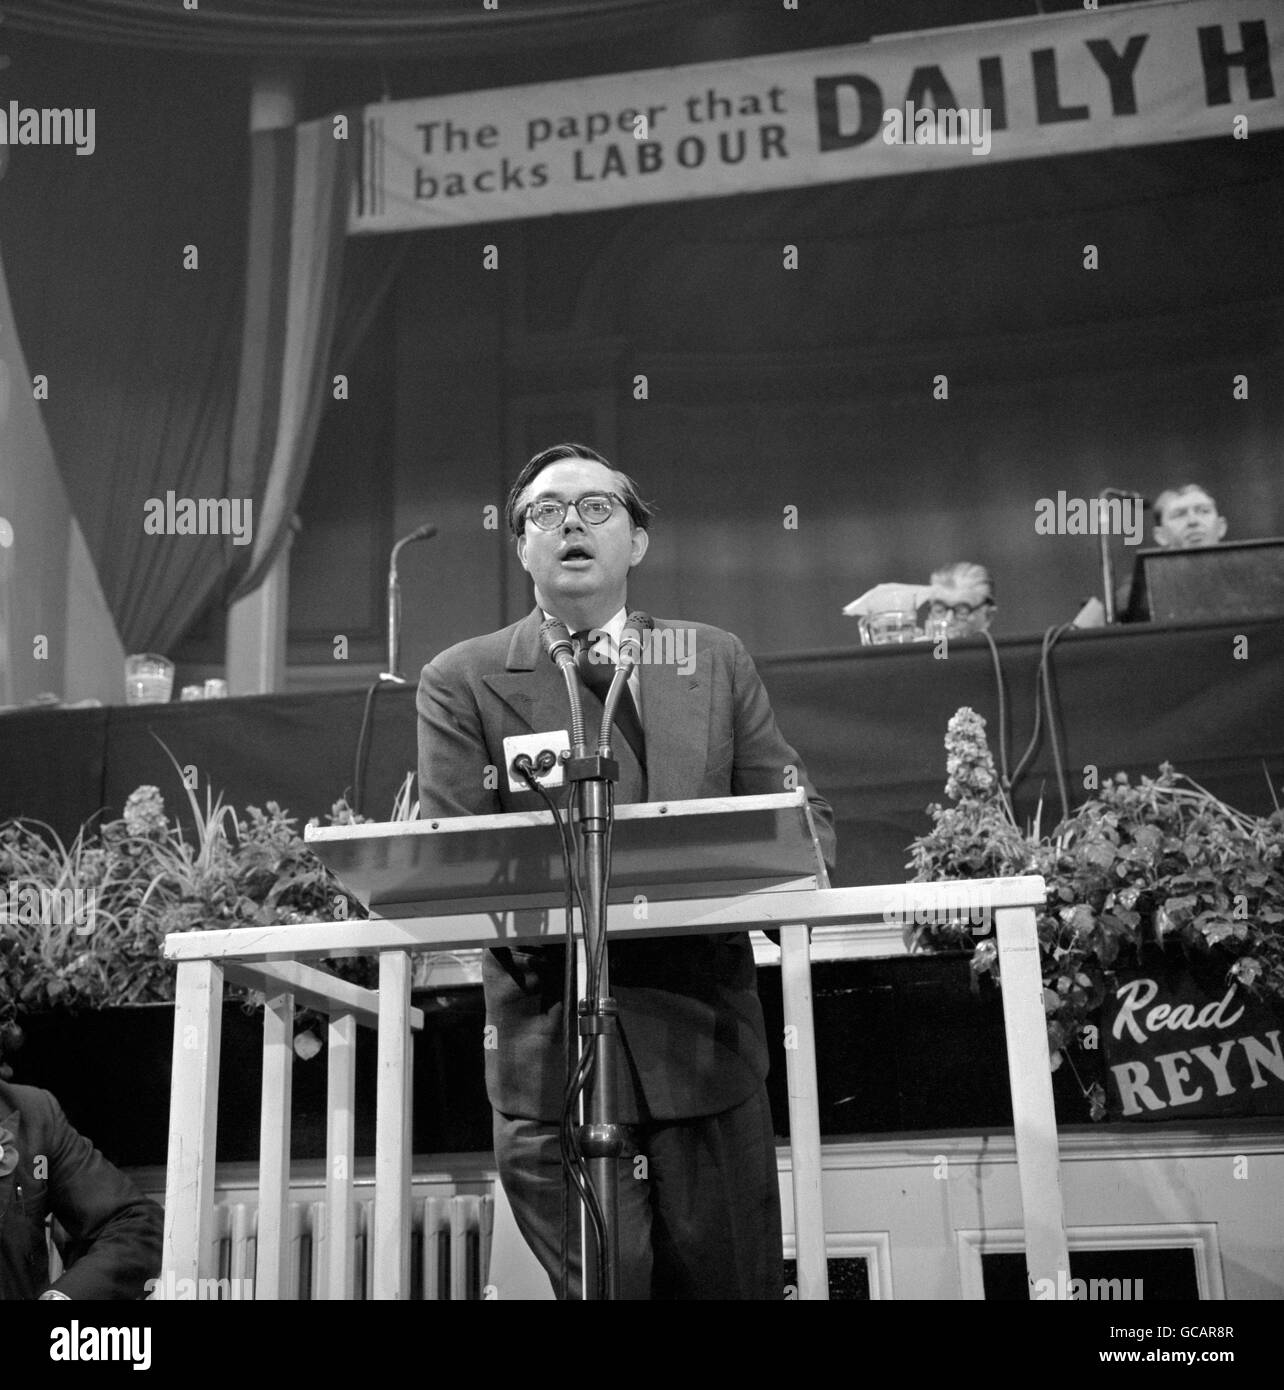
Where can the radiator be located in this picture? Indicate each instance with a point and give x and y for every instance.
(449, 1247)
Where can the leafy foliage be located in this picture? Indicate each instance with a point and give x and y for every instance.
(139, 878)
(1163, 862)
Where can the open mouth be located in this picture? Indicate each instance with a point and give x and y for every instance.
(575, 554)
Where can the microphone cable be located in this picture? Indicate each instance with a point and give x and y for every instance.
(1004, 735)
(363, 747)
(595, 960)
(1044, 704)
(1050, 639)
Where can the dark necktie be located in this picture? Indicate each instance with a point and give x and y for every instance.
(598, 674)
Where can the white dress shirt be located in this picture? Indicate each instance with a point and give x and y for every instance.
(609, 638)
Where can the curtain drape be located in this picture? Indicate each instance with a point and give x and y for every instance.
(371, 265)
(300, 185)
(126, 275)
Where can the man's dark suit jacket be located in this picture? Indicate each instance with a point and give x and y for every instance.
(115, 1230)
(694, 1041)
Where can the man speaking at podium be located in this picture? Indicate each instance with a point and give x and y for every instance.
(701, 1217)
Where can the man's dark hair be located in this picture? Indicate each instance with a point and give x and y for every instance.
(640, 512)
(1170, 494)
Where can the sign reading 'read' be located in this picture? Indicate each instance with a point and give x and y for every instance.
(1061, 84)
(1177, 1049)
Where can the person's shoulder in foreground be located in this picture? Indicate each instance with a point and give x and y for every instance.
(487, 648)
(48, 1169)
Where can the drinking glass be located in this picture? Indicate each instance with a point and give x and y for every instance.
(896, 626)
(149, 679)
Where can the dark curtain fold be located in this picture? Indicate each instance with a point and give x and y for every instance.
(125, 271)
(167, 343)
(371, 265)
(157, 444)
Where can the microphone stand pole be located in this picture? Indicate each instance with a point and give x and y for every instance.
(392, 675)
(1107, 572)
(601, 1137)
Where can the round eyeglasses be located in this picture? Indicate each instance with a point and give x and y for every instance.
(958, 610)
(594, 507)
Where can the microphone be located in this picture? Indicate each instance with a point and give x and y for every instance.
(556, 641)
(631, 639)
(422, 533)
(630, 653)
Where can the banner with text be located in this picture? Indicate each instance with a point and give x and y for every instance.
(1177, 1048)
(936, 100)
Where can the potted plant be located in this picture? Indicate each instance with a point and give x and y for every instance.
(82, 973)
(83, 925)
(1152, 875)
(82, 928)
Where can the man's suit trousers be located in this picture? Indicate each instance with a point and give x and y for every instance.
(699, 1203)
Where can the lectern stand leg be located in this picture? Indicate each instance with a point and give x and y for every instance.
(272, 1268)
(340, 1144)
(804, 1112)
(193, 1122)
(1034, 1119)
(392, 1130)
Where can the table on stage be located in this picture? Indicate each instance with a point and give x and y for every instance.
(869, 723)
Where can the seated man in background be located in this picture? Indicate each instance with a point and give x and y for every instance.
(47, 1168)
(962, 602)
(1186, 518)
(957, 602)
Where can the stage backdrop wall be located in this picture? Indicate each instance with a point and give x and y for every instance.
(769, 389)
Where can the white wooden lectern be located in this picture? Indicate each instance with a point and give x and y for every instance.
(682, 867)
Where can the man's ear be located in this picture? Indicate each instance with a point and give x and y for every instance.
(521, 553)
(640, 540)
(1162, 538)
(1221, 528)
